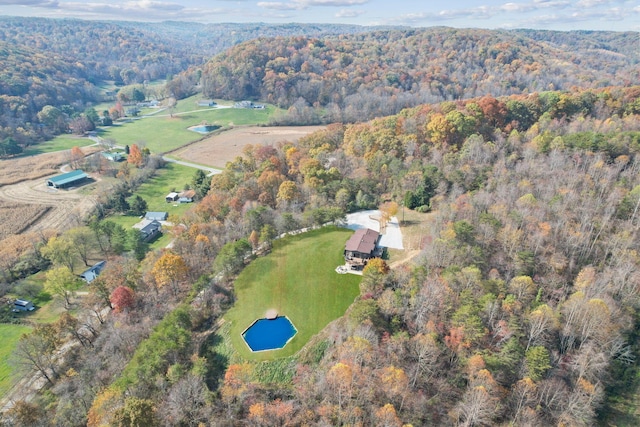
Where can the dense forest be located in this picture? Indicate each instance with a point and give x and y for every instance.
(357, 77)
(520, 310)
(62, 63)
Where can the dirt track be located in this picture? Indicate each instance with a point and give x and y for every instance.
(68, 207)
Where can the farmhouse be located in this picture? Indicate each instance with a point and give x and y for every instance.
(361, 247)
(68, 179)
(156, 216)
(186, 196)
(90, 274)
(149, 228)
(172, 197)
(22, 305)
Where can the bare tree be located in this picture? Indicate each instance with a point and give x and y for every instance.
(37, 350)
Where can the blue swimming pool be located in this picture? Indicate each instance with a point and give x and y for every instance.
(269, 334)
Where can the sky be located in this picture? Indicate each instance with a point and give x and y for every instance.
(564, 15)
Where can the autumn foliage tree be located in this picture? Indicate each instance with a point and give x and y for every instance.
(169, 271)
(122, 298)
(135, 155)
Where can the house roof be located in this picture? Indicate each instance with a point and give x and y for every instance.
(68, 177)
(363, 240)
(159, 216)
(91, 273)
(112, 156)
(188, 193)
(172, 195)
(21, 302)
(147, 226)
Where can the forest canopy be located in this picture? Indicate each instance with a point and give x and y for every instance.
(360, 76)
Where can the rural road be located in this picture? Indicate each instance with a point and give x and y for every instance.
(212, 171)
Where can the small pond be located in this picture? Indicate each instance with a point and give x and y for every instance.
(204, 129)
(269, 334)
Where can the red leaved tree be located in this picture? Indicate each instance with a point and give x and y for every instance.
(122, 298)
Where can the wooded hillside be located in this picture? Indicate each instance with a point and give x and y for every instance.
(361, 76)
(61, 63)
(521, 307)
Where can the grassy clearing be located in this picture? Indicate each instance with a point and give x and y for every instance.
(171, 177)
(59, 143)
(298, 279)
(164, 132)
(9, 336)
(153, 191)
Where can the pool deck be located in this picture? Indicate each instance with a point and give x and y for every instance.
(271, 314)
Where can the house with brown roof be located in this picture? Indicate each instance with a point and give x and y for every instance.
(361, 247)
(187, 196)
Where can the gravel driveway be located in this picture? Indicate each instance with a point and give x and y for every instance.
(392, 237)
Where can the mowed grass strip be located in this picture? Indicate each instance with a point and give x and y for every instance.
(9, 336)
(298, 279)
(59, 143)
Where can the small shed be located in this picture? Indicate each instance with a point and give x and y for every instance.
(90, 274)
(22, 305)
(156, 216)
(113, 157)
(206, 103)
(68, 179)
(172, 197)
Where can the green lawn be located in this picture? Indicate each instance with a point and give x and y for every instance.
(172, 176)
(162, 132)
(298, 279)
(59, 143)
(9, 336)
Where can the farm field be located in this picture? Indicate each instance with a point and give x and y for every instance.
(65, 207)
(298, 279)
(31, 167)
(163, 132)
(59, 143)
(9, 335)
(16, 217)
(225, 146)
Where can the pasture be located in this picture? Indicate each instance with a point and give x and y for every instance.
(59, 143)
(9, 336)
(165, 131)
(297, 279)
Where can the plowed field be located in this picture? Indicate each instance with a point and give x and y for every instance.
(226, 146)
